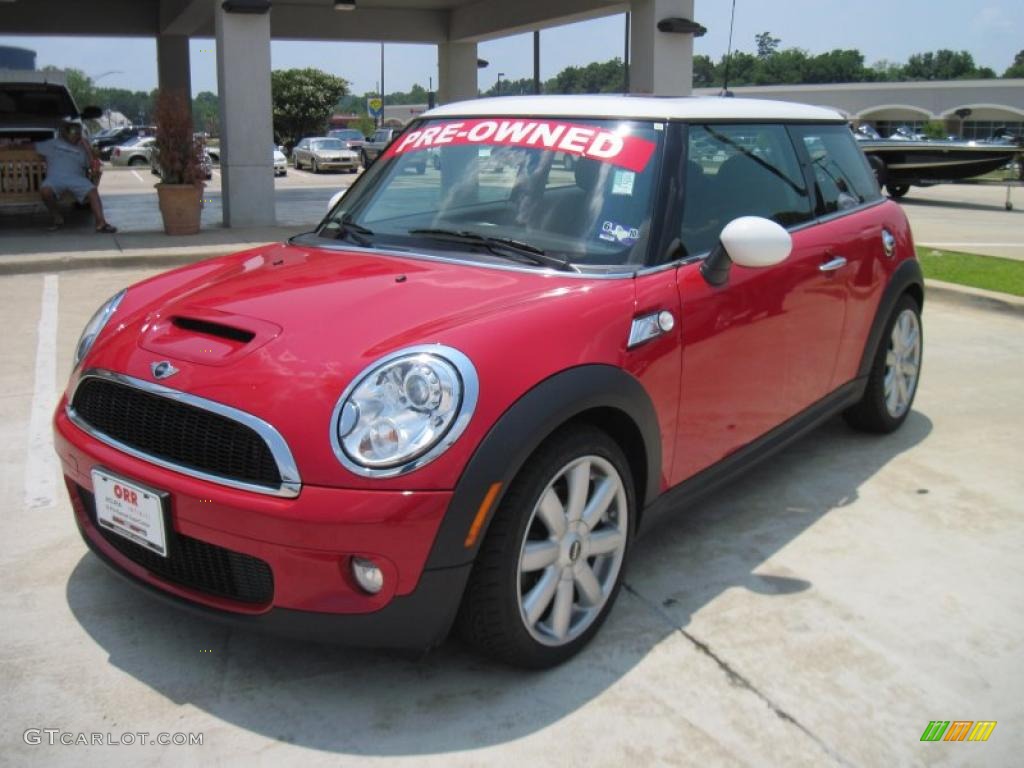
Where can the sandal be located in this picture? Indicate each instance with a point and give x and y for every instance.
(107, 229)
(58, 222)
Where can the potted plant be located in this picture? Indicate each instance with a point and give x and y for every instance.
(177, 156)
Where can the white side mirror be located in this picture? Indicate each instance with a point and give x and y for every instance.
(749, 241)
(337, 196)
(755, 242)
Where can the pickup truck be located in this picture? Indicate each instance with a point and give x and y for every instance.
(379, 141)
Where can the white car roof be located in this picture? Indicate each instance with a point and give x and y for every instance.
(637, 108)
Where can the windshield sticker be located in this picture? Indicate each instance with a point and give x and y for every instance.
(622, 182)
(630, 152)
(616, 233)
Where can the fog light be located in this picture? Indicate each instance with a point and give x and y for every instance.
(368, 574)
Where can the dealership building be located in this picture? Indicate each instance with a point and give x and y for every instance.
(973, 109)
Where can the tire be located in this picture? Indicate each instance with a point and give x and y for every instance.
(138, 161)
(880, 169)
(364, 159)
(896, 191)
(313, 166)
(881, 410)
(506, 584)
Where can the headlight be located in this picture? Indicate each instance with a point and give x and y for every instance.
(404, 411)
(95, 325)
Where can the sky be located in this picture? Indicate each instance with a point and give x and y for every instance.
(991, 30)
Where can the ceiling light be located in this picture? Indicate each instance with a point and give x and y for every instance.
(344, 5)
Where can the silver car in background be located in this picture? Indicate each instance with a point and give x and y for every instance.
(325, 154)
(137, 151)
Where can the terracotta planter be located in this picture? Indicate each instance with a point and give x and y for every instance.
(180, 206)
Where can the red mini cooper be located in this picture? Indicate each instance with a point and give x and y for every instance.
(459, 399)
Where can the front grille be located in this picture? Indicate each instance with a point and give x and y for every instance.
(176, 432)
(195, 564)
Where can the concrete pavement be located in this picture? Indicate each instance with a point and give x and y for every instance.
(819, 612)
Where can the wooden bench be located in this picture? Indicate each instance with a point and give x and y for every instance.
(21, 175)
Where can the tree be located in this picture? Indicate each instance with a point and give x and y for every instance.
(303, 100)
(766, 44)
(1017, 68)
(943, 64)
(206, 113)
(703, 71)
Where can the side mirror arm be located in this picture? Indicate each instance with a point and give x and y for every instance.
(715, 268)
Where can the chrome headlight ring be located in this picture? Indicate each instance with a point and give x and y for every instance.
(404, 410)
(96, 325)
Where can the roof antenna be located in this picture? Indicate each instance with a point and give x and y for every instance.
(728, 56)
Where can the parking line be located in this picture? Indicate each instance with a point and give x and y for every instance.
(41, 462)
(136, 175)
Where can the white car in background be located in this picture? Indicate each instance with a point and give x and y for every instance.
(280, 163)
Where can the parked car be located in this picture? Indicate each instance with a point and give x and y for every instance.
(205, 165)
(137, 151)
(324, 154)
(461, 398)
(280, 163)
(379, 141)
(105, 142)
(353, 139)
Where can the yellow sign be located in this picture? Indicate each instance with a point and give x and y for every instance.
(375, 106)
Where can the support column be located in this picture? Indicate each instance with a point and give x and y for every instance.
(174, 71)
(661, 62)
(456, 70)
(246, 124)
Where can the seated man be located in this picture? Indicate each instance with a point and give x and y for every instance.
(69, 167)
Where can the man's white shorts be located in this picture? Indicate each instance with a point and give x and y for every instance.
(79, 188)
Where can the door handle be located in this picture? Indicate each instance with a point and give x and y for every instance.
(831, 266)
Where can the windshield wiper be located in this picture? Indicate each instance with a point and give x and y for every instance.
(499, 246)
(354, 232)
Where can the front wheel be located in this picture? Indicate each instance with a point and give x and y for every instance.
(551, 564)
(314, 166)
(896, 191)
(895, 371)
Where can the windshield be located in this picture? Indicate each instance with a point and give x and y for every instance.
(580, 191)
(347, 135)
(328, 144)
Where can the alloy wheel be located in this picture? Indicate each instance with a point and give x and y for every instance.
(902, 363)
(573, 550)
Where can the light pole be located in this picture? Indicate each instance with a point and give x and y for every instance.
(382, 84)
(498, 86)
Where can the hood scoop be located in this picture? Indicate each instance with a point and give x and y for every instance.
(205, 336)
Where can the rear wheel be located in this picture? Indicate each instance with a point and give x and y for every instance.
(551, 564)
(137, 160)
(895, 371)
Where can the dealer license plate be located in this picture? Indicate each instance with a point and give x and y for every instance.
(130, 510)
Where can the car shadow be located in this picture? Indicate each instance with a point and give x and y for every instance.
(369, 703)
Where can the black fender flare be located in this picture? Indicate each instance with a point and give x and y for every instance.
(907, 276)
(523, 427)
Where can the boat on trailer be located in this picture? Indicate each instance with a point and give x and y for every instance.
(903, 160)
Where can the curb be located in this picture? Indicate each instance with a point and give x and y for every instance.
(104, 260)
(974, 298)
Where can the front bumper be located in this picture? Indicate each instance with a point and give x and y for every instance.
(307, 543)
(343, 164)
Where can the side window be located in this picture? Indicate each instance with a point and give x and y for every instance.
(739, 170)
(303, 144)
(841, 173)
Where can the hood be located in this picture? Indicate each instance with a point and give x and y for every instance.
(360, 304)
(280, 331)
